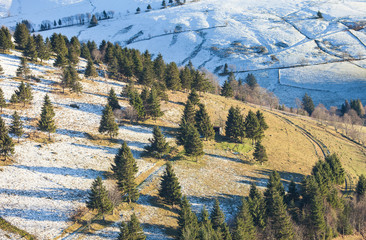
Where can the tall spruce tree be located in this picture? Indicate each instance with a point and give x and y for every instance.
(17, 126)
(21, 35)
(90, 70)
(153, 104)
(132, 230)
(6, 146)
(257, 206)
(251, 81)
(244, 227)
(206, 231)
(2, 100)
(307, 104)
(159, 68)
(186, 78)
(24, 93)
(226, 89)
(281, 221)
(337, 171)
(189, 113)
(260, 154)
(169, 187)
(252, 126)
(292, 194)
(187, 222)
(193, 146)
(172, 78)
(98, 198)
(23, 70)
(235, 125)
(218, 219)
(108, 124)
(137, 103)
(113, 100)
(47, 123)
(203, 123)
(158, 146)
(193, 97)
(274, 185)
(5, 39)
(125, 169)
(361, 186)
(30, 50)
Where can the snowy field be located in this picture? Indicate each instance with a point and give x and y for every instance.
(250, 36)
(46, 183)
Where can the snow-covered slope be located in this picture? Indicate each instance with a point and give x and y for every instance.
(282, 42)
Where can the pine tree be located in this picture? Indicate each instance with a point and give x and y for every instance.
(186, 78)
(172, 78)
(90, 70)
(251, 81)
(23, 69)
(159, 68)
(308, 104)
(292, 195)
(61, 61)
(200, 82)
(137, 103)
(158, 146)
(24, 93)
(193, 97)
(338, 173)
(30, 50)
(274, 185)
(133, 232)
(3, 129)
(257, 206)
(113, 100)
(235, 125)
(6, 146)
(13, 98)
(193, 146)
(125, 169)
(146, 77)
(316, 217)
(169, 188)
(227, 90)
(21, 35)
(73, 55)
(47, 123)
(260, 154)
(98, 198)
(43, 48)
(93, 21)
(2, 100)
(203, 123)
(206, 232)
(252, 126)
(189, 113)
(108, 124)
(70, 79)
(244, 227)
(85, 53)
(187, 222)
(217, 217)
(153, 104)
(5, 39)
(281, 221)
(361, 186)
(17, 126)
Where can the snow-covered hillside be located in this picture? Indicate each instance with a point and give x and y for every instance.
(282, 42)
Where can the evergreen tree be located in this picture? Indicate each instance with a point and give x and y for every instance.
(23, 69)
(193, 145)
(17, 126)
(153, 105)
(186, 78)
(217, 217)
(137, 103)
(109, 53)
(244, 227)
(73, 55)
(85, 53)
(226, 90)
(251, 81)
(226, 234)
(206, 232)
(58, 43)
(292, 195)
(113, 68)
(159, 67)
(158, 146)
(189, 113)
(137, 64)
(14, 98)
(138, 10)
(257, 206)
(260, 154)
(24, 93)
(90, 70)
(281, 221)
(6, 146)
(21, 35)
(5, 39)
(146, 78)
(193, 97)
(70, 79)
(108, 124)
(338, 173)
(163, 4)
(113, 100)
(357, 106)
(98, 198)
(187, 221)
(3, 129)
(169, 187)
(203, 123)
(323, 175)
(2, 100)
(200, 82)
(47, 123)
(361, 186)
(172, 78)
(274, 185)
(308, 104)
(61, 61)
(252, 126)
(1, 70)
(135, 231)
(93, 21)
(125, 169)
(235, 125)
(124, 232)
(30, 50)
(226, 69)
(42, 48)
(145, 96)
(316, 218)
